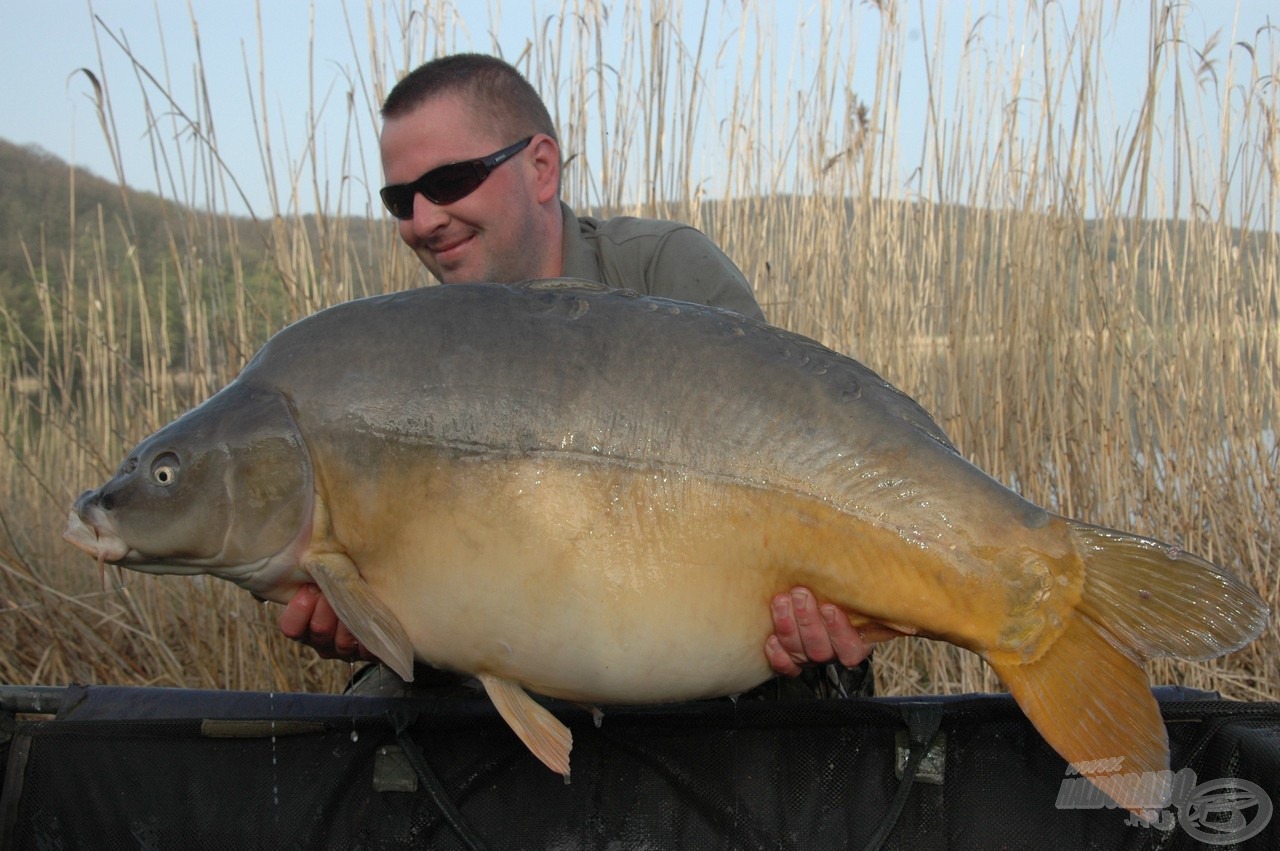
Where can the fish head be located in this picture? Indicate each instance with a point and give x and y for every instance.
(226, 489)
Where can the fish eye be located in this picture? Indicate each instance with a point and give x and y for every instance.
(164, 470)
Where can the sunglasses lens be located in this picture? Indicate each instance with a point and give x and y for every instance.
(448, 183)
(453, 182)
(442, 185)
(399, 200)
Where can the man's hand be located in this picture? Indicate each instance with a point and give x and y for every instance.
(310, 619)
(805, 632)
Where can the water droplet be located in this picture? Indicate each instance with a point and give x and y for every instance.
(355, 737)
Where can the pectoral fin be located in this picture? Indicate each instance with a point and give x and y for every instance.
(360, 611)
(541, 732)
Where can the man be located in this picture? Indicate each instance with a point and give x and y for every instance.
(472, 164)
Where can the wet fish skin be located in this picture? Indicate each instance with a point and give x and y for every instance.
(453, 465)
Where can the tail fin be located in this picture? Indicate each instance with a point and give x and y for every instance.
(1087, 693)
(1157, 600)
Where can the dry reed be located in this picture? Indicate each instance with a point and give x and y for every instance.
(1026, 285)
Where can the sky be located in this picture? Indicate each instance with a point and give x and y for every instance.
(49, 102)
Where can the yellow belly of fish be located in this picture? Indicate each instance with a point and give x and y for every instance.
(610, 583)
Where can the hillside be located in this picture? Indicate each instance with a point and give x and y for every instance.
(121, 237)
(37, 221)
(118, 237)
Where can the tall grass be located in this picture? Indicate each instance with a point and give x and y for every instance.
(1027, 281)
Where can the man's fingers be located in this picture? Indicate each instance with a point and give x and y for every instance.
(849, 645)
(813, 631)
(308, 618)
(805, 632)
(787, 634)
(324, 621)
(345, 645)
(799, 633)
(779, 659)
(295, 620)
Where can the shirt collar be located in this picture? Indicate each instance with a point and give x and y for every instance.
(580, 259)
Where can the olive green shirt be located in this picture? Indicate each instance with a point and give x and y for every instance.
(654, 257)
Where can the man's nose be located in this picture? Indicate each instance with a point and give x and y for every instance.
(427, 217)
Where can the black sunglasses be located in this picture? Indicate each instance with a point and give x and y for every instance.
(447, 183)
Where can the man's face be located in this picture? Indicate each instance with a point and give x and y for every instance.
(494, 234)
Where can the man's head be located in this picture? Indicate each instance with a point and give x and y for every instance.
(501, 94)
(462, 108)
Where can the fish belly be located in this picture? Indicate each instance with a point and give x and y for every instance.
(602, 581)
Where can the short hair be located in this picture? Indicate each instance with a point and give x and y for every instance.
(499, 91)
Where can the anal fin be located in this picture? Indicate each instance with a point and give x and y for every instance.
(541, 731)
(1093, 704)
(368, 618)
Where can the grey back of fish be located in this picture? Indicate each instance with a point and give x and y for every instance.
(570, 367)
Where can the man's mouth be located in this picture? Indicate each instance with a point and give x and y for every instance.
(445, 249)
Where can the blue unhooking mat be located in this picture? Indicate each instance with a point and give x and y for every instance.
(105, 767)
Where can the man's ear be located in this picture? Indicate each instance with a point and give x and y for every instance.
(546, 164)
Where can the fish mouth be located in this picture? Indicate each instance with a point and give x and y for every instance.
(96, 538)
